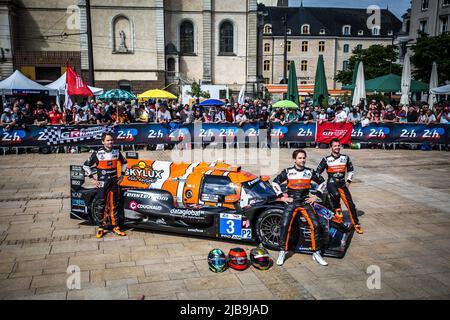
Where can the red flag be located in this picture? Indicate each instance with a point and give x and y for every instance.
(75, 85)
(327, 131)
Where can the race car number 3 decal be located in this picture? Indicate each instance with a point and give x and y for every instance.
(232, 226)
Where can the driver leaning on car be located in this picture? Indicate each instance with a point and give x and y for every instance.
(298, 178)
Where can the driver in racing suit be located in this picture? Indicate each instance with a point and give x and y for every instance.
(298, 180)
(107, 183)
(337, 165)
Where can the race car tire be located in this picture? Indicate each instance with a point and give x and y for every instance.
(95, 216)
(268, 229)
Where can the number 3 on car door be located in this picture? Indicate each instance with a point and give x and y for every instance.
(230, 224)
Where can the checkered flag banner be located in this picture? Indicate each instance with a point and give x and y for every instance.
(57, 135)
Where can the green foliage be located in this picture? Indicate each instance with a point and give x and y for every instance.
(196, 91)
(428, 50)
(378, 61)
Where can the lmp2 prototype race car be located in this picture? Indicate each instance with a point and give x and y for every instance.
(205, 199)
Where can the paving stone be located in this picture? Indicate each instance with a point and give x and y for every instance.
(405, 235)
(107, 293)
(117, 273)
(15, 284)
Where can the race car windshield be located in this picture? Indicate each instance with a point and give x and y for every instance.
(259, 190)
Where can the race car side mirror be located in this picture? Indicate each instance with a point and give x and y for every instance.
(231, 198)
(265, 178)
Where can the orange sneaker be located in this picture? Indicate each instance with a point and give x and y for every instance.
(100, 233)
(358, 229)
(119, 232)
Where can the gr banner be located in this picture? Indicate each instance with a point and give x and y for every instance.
(328, 131)
(401, 133)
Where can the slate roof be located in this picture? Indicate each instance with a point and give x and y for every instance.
(330, 19)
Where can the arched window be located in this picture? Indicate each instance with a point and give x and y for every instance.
(346, 30)
(186, 37)
(268, 29)
(266, 65)
(346, 48)
(124, 85)
(321, 46)
(360, 32)
(322, 31)
(267, 47)
(226, 33)
(304, 65)
(304, 46)
(171, 65)
(305, 29)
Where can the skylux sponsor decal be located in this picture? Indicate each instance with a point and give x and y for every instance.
(143, 173)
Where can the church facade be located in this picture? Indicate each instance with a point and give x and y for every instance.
(137, 45)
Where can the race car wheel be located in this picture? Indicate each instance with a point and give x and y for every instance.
(96, 215)
(268, 228)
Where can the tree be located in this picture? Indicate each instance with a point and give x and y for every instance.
(196, 91)
(378, 61)
(428, 50)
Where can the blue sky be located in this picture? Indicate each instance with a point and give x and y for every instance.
(398, 7)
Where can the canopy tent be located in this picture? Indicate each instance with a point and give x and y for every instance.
(211, 102)
(441, 90)
(156, 94)
(19, 84)
(390, 83)
(60, 86)
(288, 104)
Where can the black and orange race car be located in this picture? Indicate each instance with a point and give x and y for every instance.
(203, 199)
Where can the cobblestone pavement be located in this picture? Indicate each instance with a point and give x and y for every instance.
(404, 196)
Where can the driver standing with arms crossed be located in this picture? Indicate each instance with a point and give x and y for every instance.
(298, 180)
(105, 159)
(337, 165)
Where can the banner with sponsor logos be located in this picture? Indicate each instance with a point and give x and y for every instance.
(328, 131)
(401, 133)
(173, 133)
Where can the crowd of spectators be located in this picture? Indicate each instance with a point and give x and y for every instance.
(22, 114)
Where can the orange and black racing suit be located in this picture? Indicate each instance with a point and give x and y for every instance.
(298, 185)
(106, 163)
(337, 167)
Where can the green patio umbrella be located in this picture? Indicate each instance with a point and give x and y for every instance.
(292, 89)
(320, 83)
(391, 83)
(117, 94)
(287, 104)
